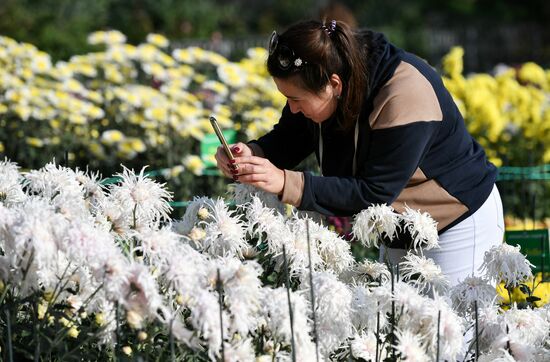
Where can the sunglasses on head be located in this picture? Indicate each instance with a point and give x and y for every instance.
(286, 57)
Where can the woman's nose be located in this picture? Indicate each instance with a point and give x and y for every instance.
(293, 107)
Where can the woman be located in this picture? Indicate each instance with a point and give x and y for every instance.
(384, 130)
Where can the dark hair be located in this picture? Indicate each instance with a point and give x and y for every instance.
(326, 50)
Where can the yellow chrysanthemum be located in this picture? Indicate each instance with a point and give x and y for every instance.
(452, 62)
(194, 164)
(34, 142)
(112, 136)
(533, 73)
(157, 40)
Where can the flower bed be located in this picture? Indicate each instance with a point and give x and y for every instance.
(93, 273)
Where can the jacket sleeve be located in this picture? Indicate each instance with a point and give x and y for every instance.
(289, 142)
(394, 154)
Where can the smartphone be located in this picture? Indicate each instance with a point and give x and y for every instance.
(219, 133)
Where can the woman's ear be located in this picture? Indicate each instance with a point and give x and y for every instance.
(336, 84)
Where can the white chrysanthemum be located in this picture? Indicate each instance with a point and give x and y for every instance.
(240, 351)
(333, 301)
(383, 295)
(500, 355)
(147, 199)
(490, 326)
(424, 274)
(506, 263)
(60, 186)
(263, 221)
(363, 346)
(91, 246)
(528, 325)
(374, 224)
(205, 317)
(408, 298)
(334, 251)
(243, 194)
(242, 292)
(139, 292)
(515, 345)
(191, 216)
(187, 281)
(365, 309)
(277, 321)
(372, 271)
(94, 192)
(158, 245)
(297, 249)
(409, 347)
(30, 235)
(113, 217)
(11, 190)
(451, 330)
(472, 289)
(422, 228)
(225, 232)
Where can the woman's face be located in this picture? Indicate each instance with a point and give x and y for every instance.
(316, 106)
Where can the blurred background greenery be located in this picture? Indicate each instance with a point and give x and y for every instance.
(491, 32)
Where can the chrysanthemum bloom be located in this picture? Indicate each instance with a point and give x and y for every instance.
(451, 330)
(409, 347)
(467, 292)
(11, 190)
(239, 350)
(366, 310)
(372, 271)
(505, 263)
(528, 325)
(225, 231)
(332, 310)
(205, 318)
(373, 224)
(363, 346)
(243, 194)
(419, 315)
(422, 228)
(423, 273)
(500, 355)
(59, 185)
(30, 235)
(147, 199)
(334, 251)
(242, 291)
(191, 216)
(277, 321)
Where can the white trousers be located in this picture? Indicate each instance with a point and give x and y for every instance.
(463, 246)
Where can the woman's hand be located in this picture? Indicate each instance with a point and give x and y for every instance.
(239, 150)
(259, 172)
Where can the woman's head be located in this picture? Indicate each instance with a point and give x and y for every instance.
(323, 60)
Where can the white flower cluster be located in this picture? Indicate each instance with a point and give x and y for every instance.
(215, 280)
(381, 224)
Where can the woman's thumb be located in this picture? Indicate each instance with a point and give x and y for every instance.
(237, 148)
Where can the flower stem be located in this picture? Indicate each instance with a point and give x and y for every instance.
(287, 283)
(8, 327)
(219, 287)
(312, 294)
